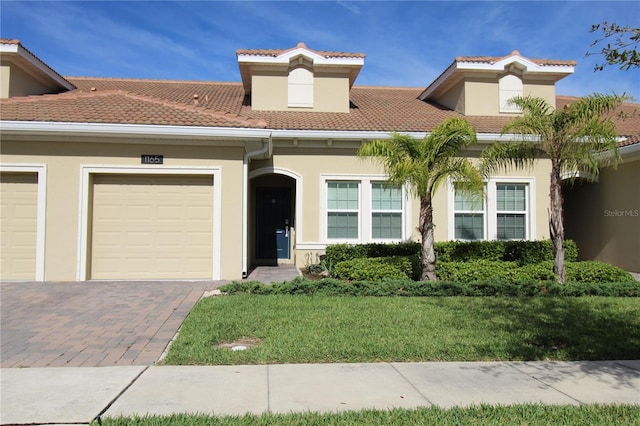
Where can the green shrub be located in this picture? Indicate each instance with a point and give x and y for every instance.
(477, 270)
(481, 270)
(463, 251)
(408, 288)
(522, 252)
(595, 272)
(374, 269)
(335, 253)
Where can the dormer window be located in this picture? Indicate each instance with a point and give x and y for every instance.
(510, 87)
(299, 79)
(300, 88)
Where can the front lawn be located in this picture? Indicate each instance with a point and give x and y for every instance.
(324, 329)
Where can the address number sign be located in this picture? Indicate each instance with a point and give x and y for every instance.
(152, 159)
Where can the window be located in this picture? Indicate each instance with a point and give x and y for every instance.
(342, 210)
(506, 213)
(510, 86)
(468, 215)
(300, 88)
(362, 209)
(511, 211)
(386, 208)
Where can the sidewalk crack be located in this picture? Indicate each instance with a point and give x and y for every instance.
(513, 365)
(411, 384)
(98, 418)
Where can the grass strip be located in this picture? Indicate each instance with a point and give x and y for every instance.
(526, 414)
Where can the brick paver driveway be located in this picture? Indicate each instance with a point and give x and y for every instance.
(92, 323)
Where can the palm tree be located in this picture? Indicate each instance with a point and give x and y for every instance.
(422, 165)
(576, 139)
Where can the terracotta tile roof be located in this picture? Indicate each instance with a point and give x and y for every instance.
(215, 104)
(494, 59)
(116, 107)
(277, 52)
(627, 119)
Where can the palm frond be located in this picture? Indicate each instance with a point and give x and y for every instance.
(503, 155)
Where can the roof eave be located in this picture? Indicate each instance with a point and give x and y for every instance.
(458, 68)
(35, 64)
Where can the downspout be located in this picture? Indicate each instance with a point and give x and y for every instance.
(267, 148)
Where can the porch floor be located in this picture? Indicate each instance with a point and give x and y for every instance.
(269, 274)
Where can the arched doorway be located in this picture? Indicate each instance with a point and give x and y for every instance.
(272, 220)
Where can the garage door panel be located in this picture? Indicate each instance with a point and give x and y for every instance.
(149, 222)
(18, 221)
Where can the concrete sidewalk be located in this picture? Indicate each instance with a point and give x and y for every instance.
(79, 395)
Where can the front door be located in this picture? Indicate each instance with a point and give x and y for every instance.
(273, 210)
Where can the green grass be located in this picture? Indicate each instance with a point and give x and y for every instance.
(323, 329)
(530, 414)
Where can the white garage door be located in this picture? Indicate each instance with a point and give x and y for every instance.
(18, 223)
(152, 227)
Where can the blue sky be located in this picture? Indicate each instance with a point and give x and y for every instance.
(406, 43)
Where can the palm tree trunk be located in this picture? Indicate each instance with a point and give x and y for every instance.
(556, 223)
(428, 260)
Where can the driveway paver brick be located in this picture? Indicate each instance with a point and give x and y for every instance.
(92, 324)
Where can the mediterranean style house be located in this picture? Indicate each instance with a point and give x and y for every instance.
(105, 178)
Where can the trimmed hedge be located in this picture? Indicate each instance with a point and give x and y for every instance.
(340, 252)
(481, 270)
(522, 252)
(374, 268)
(384, 288)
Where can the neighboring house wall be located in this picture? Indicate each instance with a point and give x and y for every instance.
(71, 168)
(603, 218)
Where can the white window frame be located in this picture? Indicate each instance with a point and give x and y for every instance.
(385, 211)
(357, 210)
(365, 209)
(491, 206)
(526, 213)
(483, 212)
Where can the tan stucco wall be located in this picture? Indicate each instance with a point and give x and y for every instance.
(331, 92)
(270, 88)
(540, 89)
(482, 95)
(63, 160)
(453, 98)
(604, 217)
(311, 164)
(539, 199)
(17, 82)
(5, 75)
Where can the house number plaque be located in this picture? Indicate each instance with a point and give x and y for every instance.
(152, 159)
